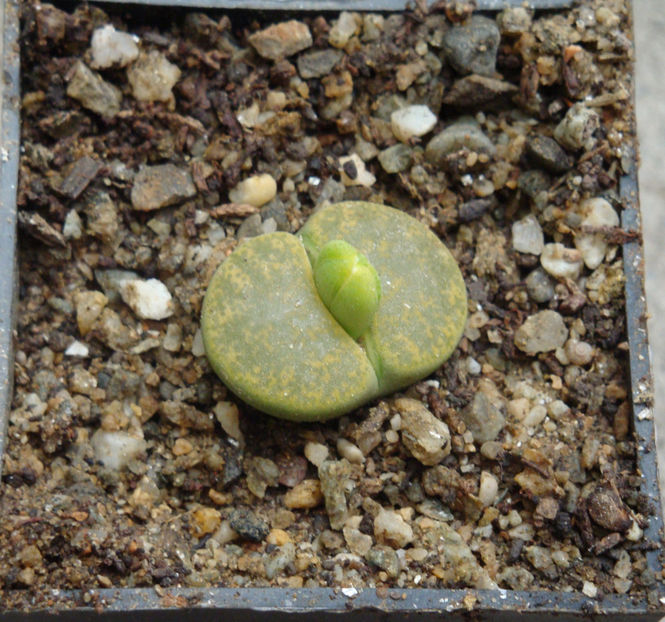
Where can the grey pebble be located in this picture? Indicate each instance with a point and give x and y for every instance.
(123, 383)
(395, 159)
(476, 91)
(93, 92)
(250, 227)
(318, 63)
(110, 281)
(248, 525)
(387, 104)
(483, 419)
(385, 558)
(464, 133)
(533, 182)
(276, 210)
(331, 190)
(543, 332)
(546, 152)
(576, 129)
(472, 48)
(44, 382)
(102, 216)
(334, 476)
(279, 559)
(539, 286)
(473, 209)
(61, 305)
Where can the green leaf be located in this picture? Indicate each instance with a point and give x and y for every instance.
(271, 339)
(422, 312)
(348, 285)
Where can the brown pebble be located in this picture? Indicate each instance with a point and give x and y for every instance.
(204, 521)
(547, 508)
(305, 495)
(220, 498)
(182, 447)
(622, 421)
(278, 537)
(606, 509)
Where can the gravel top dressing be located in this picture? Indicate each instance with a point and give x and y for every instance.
(154, 145)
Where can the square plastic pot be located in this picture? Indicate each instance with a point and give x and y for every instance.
(334, 605)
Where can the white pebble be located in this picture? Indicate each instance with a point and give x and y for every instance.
(201, 217)
(198, 349)
(514, 518)
(225, 533)
(561, 262)
(150, 299)
(523, 531)
(577, 127)
(635, 532)
(248, 117)
(528, 236)
(173, 338)
(115, 449)
(396, 422)
(346, 449)
(316, 453)
(152, 77)
(589, 589)
(392, 436)
(229, 417)
(76, 348)
(518, 408)
(607, 17)
(343, 29)
(256, 190)
(111, 47)
(557, 409)
(72, 228)
(390, 528)
(360, 177)
(473, 366)
(595, 213)
(560, 558)
(489, 488)
(578, 352)
(535, 416)
(561, 356)
(412, 121)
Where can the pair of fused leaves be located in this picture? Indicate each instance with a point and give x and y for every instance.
(275, 344)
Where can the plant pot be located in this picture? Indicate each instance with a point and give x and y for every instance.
(390, 603)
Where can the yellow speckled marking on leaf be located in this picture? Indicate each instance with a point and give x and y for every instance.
(273, 342)
(423, 306)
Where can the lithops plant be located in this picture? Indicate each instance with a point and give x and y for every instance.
(362, 302)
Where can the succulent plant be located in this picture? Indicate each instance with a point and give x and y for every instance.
(364, 301)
